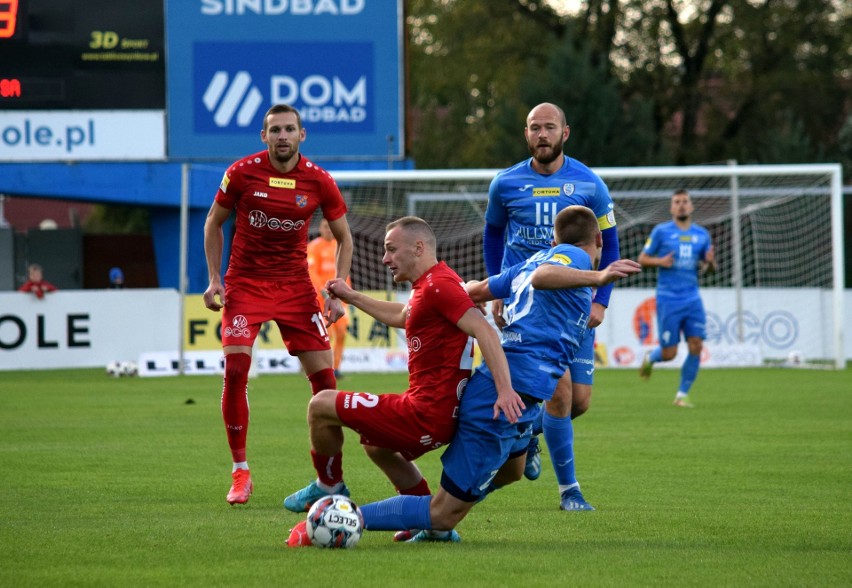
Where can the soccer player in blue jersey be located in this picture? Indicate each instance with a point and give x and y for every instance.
(548, 305)
(523, 202)
(681, 250)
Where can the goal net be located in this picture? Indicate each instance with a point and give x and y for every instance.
(777, 231)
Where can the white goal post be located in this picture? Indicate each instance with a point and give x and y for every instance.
(778, 232)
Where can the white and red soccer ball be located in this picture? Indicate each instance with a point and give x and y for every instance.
(335, 521)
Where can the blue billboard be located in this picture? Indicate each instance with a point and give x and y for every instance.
(338, 61)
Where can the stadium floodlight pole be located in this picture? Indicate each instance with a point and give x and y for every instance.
(182, 264)
(736, 241)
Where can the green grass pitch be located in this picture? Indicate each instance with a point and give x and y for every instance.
(122, 482)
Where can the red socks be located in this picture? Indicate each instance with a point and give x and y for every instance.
(419, 489)
(329, 468)
(322, 380)
(235, 407)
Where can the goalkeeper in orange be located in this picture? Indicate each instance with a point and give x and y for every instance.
(322, 264)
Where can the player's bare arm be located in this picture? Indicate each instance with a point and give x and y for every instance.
(214, 240)
(508, 402)
(556, 277)
(596, 316)
(479, 291)
(708, 266)
(651, 261)
(390, 313)
(333, 310)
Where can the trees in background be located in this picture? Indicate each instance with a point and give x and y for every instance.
(643, 82)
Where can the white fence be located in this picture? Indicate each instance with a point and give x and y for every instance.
(90, 328)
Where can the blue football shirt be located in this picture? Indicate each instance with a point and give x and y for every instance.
(690, 247)
(545, 327)
(527, 202)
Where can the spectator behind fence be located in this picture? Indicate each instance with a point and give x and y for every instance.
(36, 283)
(116, 278)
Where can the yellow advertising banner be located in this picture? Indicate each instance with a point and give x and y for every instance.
(202, 328)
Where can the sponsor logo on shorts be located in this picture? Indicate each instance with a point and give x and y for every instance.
(426, 440)
(238, 327)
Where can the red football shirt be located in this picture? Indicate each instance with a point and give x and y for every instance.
(273, 213)
(440, 355)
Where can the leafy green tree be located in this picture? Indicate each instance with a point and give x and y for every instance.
(642, 81)
(606, 129)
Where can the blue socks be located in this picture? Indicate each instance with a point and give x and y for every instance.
(397, 513)
(688, 372)
(656, 355)
(559, 436)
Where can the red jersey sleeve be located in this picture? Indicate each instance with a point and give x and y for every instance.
(333, 205)
(446, 294)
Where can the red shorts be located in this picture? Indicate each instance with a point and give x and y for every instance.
(394, 422)
(290, 303)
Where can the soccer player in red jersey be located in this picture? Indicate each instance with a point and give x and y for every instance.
(273, 194)
(439, 320)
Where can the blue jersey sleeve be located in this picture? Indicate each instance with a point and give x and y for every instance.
(609, 253)
(495, 212)
(652, 245)
(493, 245)
(501, 284)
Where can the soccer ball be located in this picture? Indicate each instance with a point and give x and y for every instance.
(795, 358)
(117, 369)
(128, 368)
(335, 521)
(113, 369)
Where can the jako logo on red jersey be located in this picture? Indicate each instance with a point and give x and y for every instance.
(237, 83)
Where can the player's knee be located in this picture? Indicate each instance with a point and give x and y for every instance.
(237, 366)
(579, 408)
(558, 407)
(581, 399)
(668, 353)
(322, 407)
(695, 346)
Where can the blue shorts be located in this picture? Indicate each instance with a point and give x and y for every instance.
(676, 317)
(481, 444)
(583, 367)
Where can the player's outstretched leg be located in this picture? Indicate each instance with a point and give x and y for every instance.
(419, 489)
